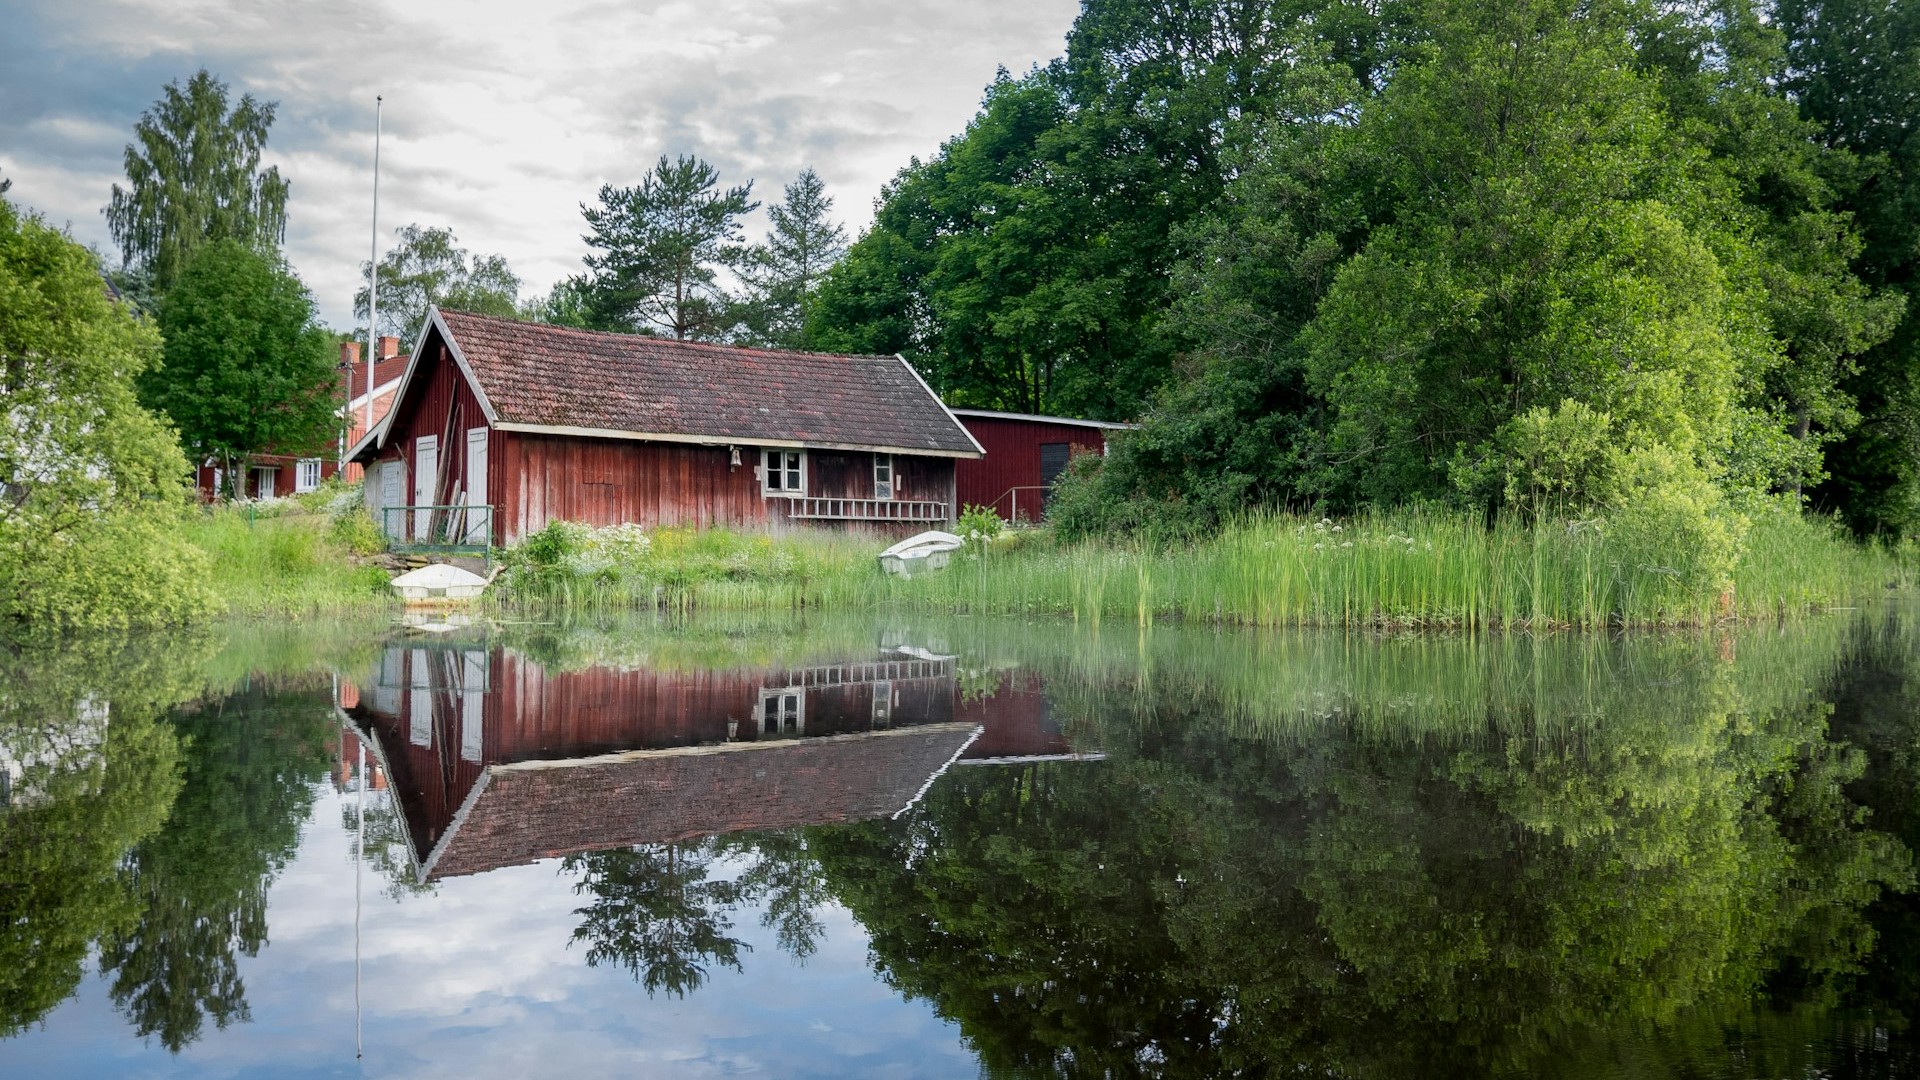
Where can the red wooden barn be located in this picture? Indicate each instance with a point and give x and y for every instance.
(1024, 455)
(541, 423)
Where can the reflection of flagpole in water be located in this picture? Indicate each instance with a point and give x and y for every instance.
(359, 856)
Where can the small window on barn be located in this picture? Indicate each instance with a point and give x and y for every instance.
(882, 476)
(783, 472)
(783, 711)
(1053, 461)
(306, 474)
(883, 703)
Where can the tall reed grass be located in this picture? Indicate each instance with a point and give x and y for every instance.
(1422, 570)
(290, 564)
(1414, 569)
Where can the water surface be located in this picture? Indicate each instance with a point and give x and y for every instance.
(952, 848)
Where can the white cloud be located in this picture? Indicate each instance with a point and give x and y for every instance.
(501, 118)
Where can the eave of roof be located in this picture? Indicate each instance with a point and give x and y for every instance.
(991, 414)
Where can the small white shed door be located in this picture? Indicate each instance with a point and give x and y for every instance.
(478, 523)
(391, 475)
(426, 471)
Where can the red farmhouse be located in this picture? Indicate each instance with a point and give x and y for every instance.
(542, 423)
(270, 476)
(1024, 455)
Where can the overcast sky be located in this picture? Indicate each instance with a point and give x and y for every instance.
(501, 118)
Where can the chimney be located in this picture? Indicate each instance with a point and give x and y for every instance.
(349, 354)
(389, 347)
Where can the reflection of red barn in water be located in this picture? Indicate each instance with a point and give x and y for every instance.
(498, 759)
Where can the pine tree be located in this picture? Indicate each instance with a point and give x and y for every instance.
(662, 245)
(782, 275)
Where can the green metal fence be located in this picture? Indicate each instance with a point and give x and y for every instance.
(439, 530)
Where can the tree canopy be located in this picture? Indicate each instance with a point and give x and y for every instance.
(428, 267)
(194, 176)
(90, 482)
(782, 276)
(1533, 255)
(248, 369)
(661, 247)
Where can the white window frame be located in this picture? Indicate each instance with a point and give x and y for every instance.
(882, 715)
(789, 714)
(263, 482)
(780, 462)
(883, 489)
(306, 474)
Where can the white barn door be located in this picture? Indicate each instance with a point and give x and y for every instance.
(479, 523)
(388, 493)
(426, 473)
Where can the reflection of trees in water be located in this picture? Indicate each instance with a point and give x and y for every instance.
(98, 776)
(660, 911)
(657, 913)
(1356, 903)
(251, 762)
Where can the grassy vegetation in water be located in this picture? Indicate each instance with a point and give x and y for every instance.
(1413, 569)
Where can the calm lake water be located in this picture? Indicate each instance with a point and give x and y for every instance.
(957, 848)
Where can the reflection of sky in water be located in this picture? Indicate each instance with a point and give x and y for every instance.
(478, 980)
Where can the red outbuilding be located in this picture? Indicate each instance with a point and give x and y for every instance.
(500, 427)
(1024, 455)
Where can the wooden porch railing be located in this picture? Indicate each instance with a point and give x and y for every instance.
(827, 509)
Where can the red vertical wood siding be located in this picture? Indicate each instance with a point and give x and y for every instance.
(534, 479)
(1013, 462)
(440, 402)
(543, 478)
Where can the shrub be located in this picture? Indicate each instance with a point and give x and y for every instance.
(1673, 540)
(978, 526)
(355, 530)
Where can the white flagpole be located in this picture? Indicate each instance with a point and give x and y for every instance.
(359, 857)
(373, 271)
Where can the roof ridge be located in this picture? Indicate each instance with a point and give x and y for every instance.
(556, 328)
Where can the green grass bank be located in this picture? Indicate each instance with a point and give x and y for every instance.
(311, 556)
(1413, 570)
(294, 558)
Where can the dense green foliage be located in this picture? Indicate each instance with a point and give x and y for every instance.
(428, 267)
(782, 276)
(1580, 260)
(91, 484)
(248, 368)
(194, 176)
(1854, 67)
(660, 248)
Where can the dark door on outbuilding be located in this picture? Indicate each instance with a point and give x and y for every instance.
(1053, 461)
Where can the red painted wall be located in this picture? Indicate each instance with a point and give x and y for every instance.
(1013, 461)
(534, 479)
(285, 472)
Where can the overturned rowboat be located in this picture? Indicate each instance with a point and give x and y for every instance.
(926, 551)
(439, 583)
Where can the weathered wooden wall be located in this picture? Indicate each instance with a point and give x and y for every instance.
(534, 479)
(1013, 461)
(543, 478)
(439, 402)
